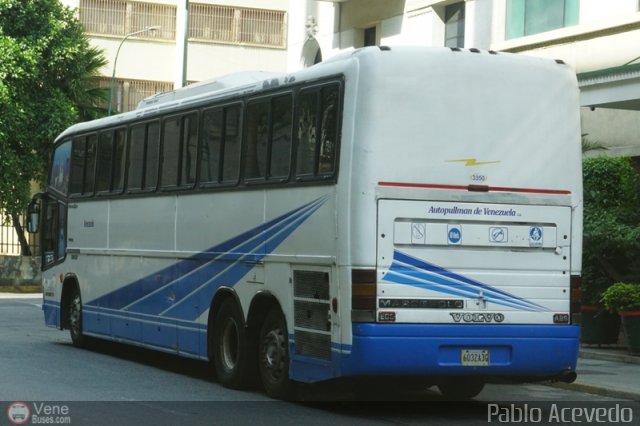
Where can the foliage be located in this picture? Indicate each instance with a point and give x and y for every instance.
(611, 225)
(622, 297)
(45, 73)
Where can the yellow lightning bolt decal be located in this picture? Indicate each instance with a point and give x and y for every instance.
(472, 162)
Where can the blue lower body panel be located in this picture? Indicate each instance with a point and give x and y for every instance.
(51, 313)
(532, 351)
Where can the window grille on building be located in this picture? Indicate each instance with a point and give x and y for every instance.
(127, 94)
(118, 18)
(237, 25)
(207, 22)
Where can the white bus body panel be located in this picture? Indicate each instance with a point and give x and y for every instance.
(419, 126)
(511, 261)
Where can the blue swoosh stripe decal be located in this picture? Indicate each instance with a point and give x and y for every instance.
(203, 295)
(406, 269)
(195, 279)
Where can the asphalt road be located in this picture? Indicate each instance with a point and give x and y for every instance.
(117, 384)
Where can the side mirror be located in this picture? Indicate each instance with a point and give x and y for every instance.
(33, 217)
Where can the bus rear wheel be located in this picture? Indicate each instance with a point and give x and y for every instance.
(233, 348)
(461, 389)
(75, 318)
(273, 356)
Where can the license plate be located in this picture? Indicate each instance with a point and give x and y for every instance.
(474, 357)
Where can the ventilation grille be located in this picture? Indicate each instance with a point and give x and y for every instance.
(312, 328)
(312, 315)
(311, 284)
(313, 345)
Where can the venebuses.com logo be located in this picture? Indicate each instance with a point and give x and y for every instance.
(20, 413)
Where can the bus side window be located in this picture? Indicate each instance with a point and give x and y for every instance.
(152, 156)
(281, 137)
(171, 152)
(83, 165)
(231, 146)
(78, 152)
(257, 137)
(119, 160)
(329, 130)
(90, 165)
(104, 162)
(211, 145)
(306, 128)
(189, 150)
(136, 157)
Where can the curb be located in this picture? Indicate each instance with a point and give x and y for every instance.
(597, 390)
(20, 295)
(609, 356)
(21, 289)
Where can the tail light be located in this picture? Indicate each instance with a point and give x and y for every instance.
(363, 295)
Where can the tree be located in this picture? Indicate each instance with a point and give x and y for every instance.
(611, 246)
(45, 86)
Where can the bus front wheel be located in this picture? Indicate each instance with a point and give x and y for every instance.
(273, 356)
(233, 354)
(75, 318)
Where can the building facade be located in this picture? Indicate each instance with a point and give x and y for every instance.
(599, 39)
(144, 41)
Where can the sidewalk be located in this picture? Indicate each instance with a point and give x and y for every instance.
(607, 371)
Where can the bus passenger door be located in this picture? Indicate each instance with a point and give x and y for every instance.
(53, 244)
(54, 229)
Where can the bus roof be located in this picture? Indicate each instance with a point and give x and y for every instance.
(252, 81)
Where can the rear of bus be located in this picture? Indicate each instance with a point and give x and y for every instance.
(465, 215)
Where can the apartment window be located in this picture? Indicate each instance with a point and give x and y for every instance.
(454, 25)
(119, 17)
(526, 17)
(237, 25)
(369, 36)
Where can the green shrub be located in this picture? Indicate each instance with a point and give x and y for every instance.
(611, 246)
(621, 297)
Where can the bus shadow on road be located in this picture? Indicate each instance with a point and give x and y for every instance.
(194, 368)
(351, 396)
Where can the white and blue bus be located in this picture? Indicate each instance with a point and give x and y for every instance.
(391, 212)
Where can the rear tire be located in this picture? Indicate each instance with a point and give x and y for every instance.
(75, 319)
(273, 356)
(234, 355)
(461, 390)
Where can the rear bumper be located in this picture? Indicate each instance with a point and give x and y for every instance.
(516, 351)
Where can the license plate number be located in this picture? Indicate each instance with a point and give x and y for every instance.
(474, 357)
